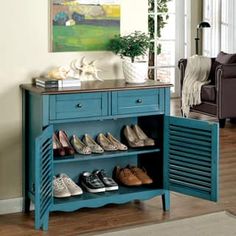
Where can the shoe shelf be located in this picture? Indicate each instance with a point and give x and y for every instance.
(124, 194)
(101, 107)
(129, 152)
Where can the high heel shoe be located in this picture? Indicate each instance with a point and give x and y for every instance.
(58, 150)
(95, 148)
(65, 143)
(142, 136)
(79, 146)
(120, 146)
(105, 143)
(132, 138)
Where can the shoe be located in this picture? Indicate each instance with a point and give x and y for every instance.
(58, 150)
(60, 190)
(105, 143)
(132, 138)
(92, 183)
(95, 148)
(108, 182)
(141, 174)
(79, 146)
(120, 146)
(73, 188)
(126, 177)
(65, 143)
(142, 136)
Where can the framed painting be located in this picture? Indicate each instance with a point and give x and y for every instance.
(83, 25)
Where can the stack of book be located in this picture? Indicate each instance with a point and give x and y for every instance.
(52, 83)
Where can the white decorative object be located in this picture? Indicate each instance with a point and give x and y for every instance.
(136, 72)
(88, 70)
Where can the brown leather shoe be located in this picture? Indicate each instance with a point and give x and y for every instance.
(126, 177)
(58, 150)
(142, 136)
(132, 138)
(141, 174)
(65, 143)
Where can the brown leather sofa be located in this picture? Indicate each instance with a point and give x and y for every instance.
(218, 97)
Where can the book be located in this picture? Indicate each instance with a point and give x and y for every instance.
(49, 83)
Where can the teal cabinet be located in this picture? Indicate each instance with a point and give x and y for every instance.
(185, 158)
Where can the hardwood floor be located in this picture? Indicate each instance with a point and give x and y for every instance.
(91, 221)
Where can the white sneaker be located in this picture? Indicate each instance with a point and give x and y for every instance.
(73, 188)
(60, 190)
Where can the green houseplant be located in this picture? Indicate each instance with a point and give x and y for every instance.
(129, 48)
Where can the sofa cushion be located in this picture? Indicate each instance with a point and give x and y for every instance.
(226, 58)
(208, 93)
(222, 58)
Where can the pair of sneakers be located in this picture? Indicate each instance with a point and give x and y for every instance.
(64, 186)
(97, 182)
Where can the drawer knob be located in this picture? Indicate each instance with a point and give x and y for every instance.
(139, 101)
(79, 105)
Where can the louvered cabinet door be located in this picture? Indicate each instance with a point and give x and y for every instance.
(43, 177)
(191, 157)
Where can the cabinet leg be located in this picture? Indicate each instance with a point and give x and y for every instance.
(45, 223)
(26, 206)
(222, 123)
(166, 201)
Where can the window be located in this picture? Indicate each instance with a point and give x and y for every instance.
(167, 27)
(222, 35)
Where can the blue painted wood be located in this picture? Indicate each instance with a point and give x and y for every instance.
(138, 101)
(124, 194)
(106, 155)
(188, 147)
(166, 101)
(43, 177)
(166, 201)
(187, 176)
(74, 106)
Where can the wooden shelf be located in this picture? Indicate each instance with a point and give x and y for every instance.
(124, 194)
(129, 152)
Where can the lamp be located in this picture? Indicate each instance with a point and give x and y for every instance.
(202, 25)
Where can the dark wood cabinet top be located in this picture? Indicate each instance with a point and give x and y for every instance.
(93, 86)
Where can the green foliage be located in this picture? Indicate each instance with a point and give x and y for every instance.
(162, 19)
(132, 45)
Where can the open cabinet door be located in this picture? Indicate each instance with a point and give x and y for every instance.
(191, 157)
(43, 177)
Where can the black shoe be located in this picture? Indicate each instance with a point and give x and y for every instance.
(92, 183)
(109, 183)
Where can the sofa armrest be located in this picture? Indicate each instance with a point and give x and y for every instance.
(226, 90)
(182, 64)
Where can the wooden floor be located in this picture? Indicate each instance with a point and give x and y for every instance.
(92, 221)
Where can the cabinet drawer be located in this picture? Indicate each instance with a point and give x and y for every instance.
(138, 101)
(74, 106)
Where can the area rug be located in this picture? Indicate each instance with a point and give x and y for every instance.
(214, 224)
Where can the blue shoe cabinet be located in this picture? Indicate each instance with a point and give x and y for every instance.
(185, 158)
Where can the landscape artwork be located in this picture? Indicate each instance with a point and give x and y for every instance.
(83, 25)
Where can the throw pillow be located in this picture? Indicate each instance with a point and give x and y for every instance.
(226, 58)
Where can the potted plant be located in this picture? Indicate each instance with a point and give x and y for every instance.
(129, 48)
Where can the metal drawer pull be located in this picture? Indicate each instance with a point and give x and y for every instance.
(79, 105)
(139, 101)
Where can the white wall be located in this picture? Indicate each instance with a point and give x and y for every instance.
(24, 53)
